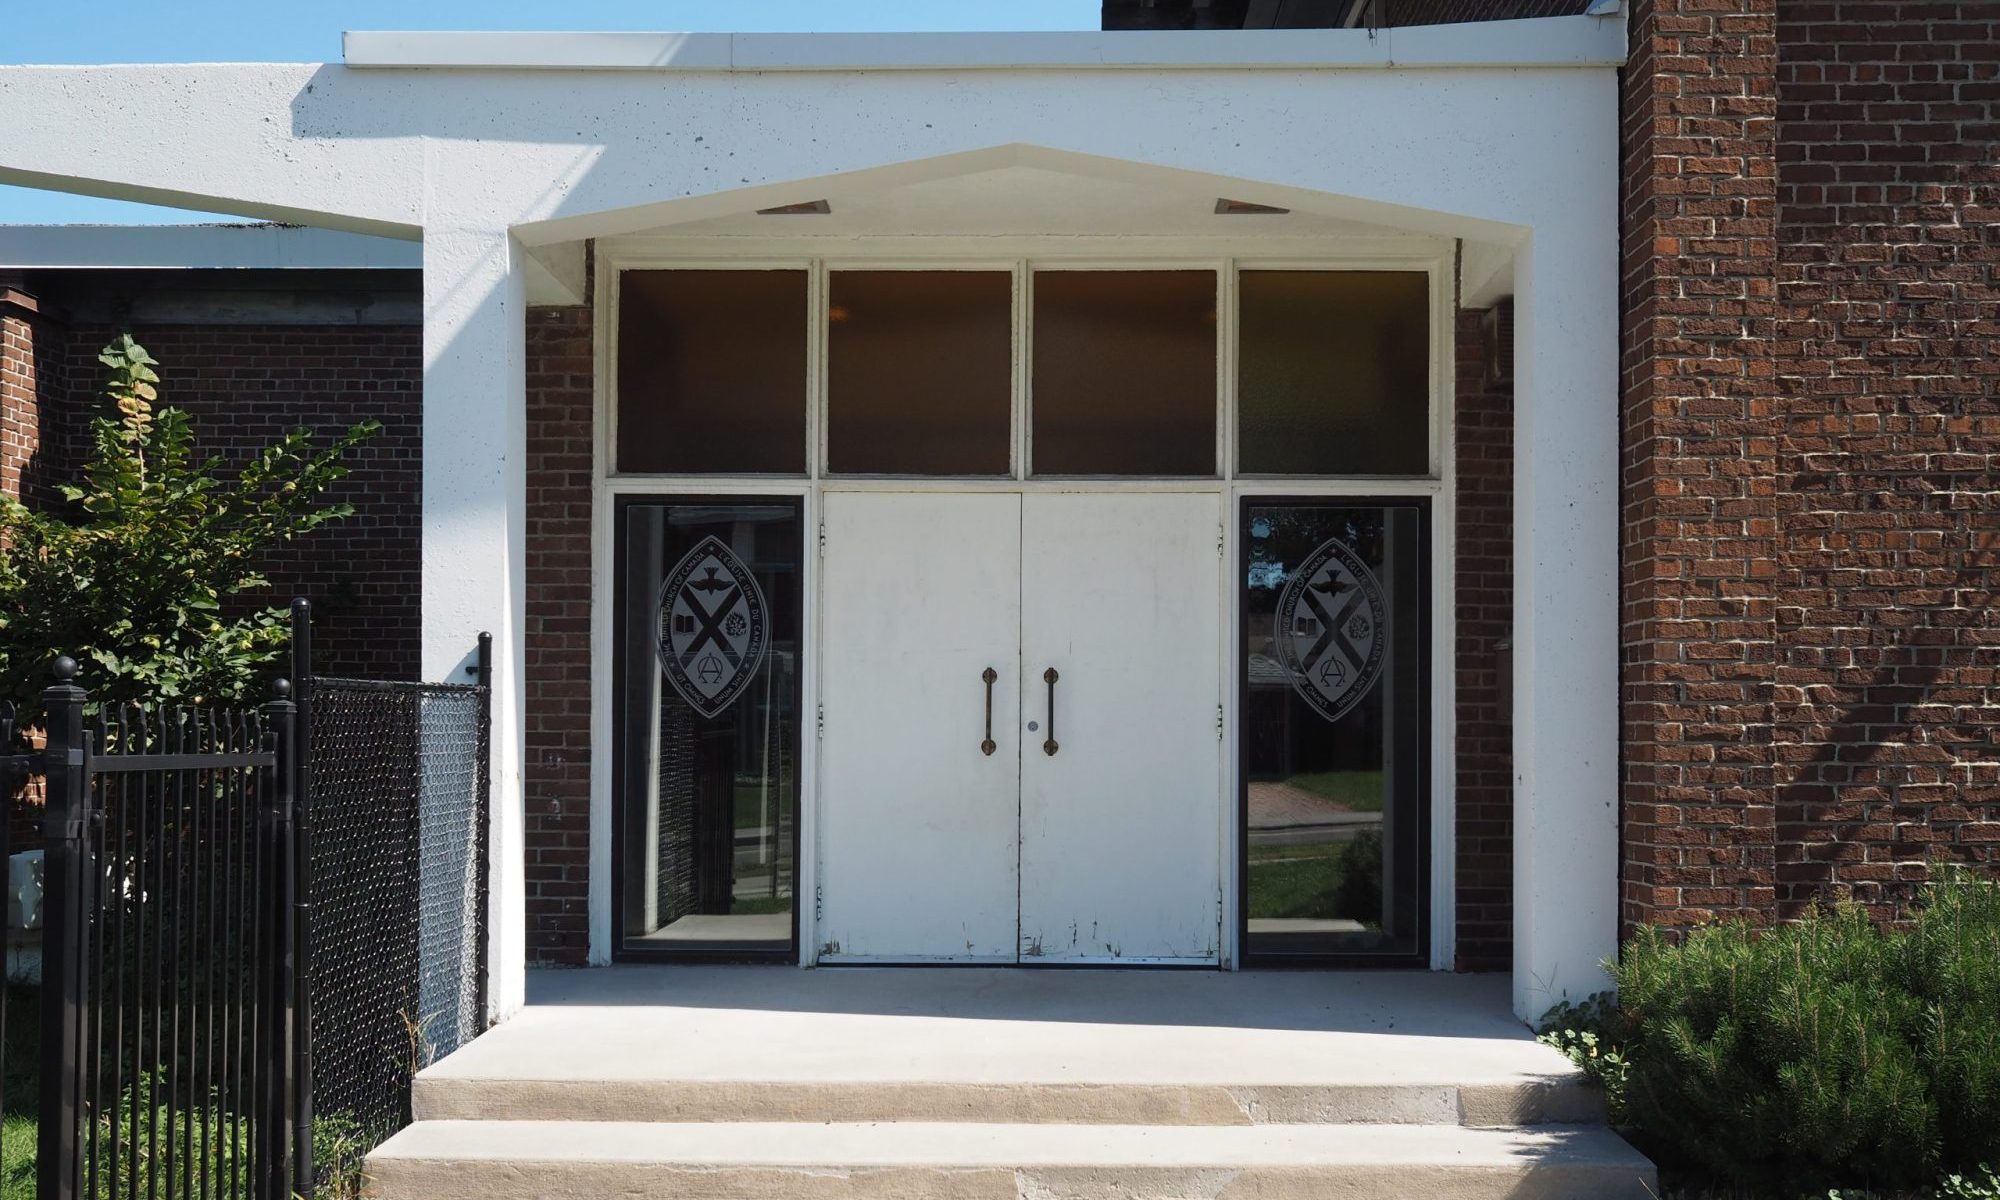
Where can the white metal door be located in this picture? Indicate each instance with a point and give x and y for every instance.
(1121, 825)
(917, 825)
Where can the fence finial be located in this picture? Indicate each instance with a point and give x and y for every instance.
(64, 668)
(281, 688)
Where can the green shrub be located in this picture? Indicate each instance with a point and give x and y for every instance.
(1361, 878)
(1823, 1053)
(141, 580)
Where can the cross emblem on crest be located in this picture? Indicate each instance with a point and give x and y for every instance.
(1329, 629)
(712, 626)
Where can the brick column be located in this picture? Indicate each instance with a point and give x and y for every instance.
(557, 767)
(1700, 461)
(1483, 442)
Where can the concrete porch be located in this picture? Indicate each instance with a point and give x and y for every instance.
(878, 1082)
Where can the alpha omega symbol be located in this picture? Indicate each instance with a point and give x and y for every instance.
(1330, 629)
(712, 627)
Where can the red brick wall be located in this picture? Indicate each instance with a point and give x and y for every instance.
(1700, 463)
(31, 377)
(245, 386)
(1483, 437)
(1812, 436)
(1889, 454)
(557, 766)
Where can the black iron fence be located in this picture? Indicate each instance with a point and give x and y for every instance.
(256, 926)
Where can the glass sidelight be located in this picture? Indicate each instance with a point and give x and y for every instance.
(707, 725)
(1334, 737)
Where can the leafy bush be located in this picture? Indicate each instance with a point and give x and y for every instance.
(1983, 1184)
(1361, 878)
(135, 580)
(1592, 1035)
(1823, 1053)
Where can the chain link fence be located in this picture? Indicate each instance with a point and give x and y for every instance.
(397, 797)
(394, 790)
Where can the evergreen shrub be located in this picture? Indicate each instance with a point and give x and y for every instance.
(1825, 1052)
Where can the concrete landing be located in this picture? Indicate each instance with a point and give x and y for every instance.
(974, 1044)
(1006, 1084)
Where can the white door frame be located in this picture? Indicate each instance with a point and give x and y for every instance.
(1436, 257)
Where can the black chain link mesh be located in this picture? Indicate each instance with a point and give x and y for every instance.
(398, 812)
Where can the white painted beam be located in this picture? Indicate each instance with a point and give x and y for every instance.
(1540, 42)
(271, 142)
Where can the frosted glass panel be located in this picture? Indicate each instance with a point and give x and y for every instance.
(1333, 371)
(920, 371)
(712, 372)
(1124, 378)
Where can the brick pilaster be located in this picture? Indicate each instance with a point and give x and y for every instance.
(1699, 459)
(557, 766)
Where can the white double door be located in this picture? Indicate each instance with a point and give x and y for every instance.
(1065, 809)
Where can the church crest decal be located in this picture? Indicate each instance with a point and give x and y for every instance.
(713, 627)
(1331, 629)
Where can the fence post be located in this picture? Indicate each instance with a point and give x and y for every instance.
(276, 1130)
(482, 668)
(304, 1168)
(66, 923)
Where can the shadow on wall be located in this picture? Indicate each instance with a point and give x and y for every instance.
(1885, 756)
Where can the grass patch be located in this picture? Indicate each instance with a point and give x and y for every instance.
(1319, 881)
(17, 1157)
(1296, 881)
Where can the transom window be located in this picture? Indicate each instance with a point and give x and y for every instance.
(1024, 370)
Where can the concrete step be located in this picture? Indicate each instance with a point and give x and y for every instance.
(1503, 1101)
(567, 1160)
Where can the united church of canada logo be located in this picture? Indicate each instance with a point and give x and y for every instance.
(1331, 628)
(713, 627)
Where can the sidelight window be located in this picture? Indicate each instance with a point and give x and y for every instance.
(1334, 728)
(709, 599)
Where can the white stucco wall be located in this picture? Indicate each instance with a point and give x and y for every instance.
(1461, 136)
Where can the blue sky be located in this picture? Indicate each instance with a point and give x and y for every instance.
(309, 31)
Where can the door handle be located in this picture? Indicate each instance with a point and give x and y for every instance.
(987, 747)
(1049, 677)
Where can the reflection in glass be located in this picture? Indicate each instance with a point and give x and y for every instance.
(1334, 771)
(1124, 373)
(708, 724)
(920, 372)
(1333, 373)
(712, 372)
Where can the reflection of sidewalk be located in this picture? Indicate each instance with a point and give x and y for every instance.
(1283, 814)
(1287, 806)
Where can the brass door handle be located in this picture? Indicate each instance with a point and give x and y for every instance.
(1049, 745)
(987, 747)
